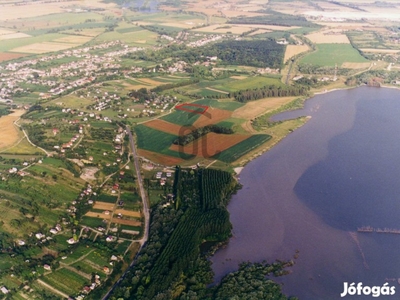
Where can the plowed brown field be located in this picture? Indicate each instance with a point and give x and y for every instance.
(97, 215)
(126, 222)
(103, 205)
(166, 127)
(129, 213)
(8, 56)
(212, 116)
(210, 144)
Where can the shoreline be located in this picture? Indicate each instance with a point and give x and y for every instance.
(242, 164)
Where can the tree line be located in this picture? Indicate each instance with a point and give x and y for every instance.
(199, 132)
(274, 18)
(171, 265)
(269, 91)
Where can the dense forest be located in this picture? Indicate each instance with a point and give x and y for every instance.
(171, 266)
(274, 18)
(257, 53)
(199, 132)
(269, 91)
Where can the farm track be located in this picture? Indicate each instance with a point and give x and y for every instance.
(215, 90)
(79, 259)
(52, 289)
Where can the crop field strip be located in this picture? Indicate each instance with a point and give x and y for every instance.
(103, 205)
(224, 105)
(248, 83)
(165, 126)
(293, 50)
(180, 117)
(126, 222)
(242, 148)
(255, 108)
(210, 144)
(160, 158)
(66, 281)
(128, 213)
(212, 116)
(328, 37)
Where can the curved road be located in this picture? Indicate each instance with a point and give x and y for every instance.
(146, 211)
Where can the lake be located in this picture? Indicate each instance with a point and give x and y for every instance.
(311, 192)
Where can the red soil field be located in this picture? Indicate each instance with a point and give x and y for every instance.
(210, 144)
(193, 108)
(166, 127)
(9, 56)
(212, 116)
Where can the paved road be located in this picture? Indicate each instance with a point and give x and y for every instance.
(146, 211)
(143, 194)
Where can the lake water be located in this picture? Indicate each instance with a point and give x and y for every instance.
(311, 192)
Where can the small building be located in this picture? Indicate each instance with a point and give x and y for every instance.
(71, 241)
(47, 267)
(39, 236)
(4, 290)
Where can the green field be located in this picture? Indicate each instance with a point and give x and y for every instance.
(14, 43)
(157, 141)
(99, 257)
(140, 38)
(180, 117)
(240, 149)
(129, 29)
(88, 268)
(226, 105)
(66, 281)
(78, 252)
(106, 198)
(331, 54)
(249, 83)
(92, 222)
(70, 101)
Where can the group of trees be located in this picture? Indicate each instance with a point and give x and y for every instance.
(270, 91)
(4, 111)
(166, 267)
(274, 18)
(171, 265)
(199, 132)
(256, 53)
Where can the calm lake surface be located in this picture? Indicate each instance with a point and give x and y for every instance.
(311, 192)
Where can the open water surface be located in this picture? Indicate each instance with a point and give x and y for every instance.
(311, 192)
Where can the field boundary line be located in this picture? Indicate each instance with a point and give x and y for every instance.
(27, 138)
(54, 290)
(215, 90)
